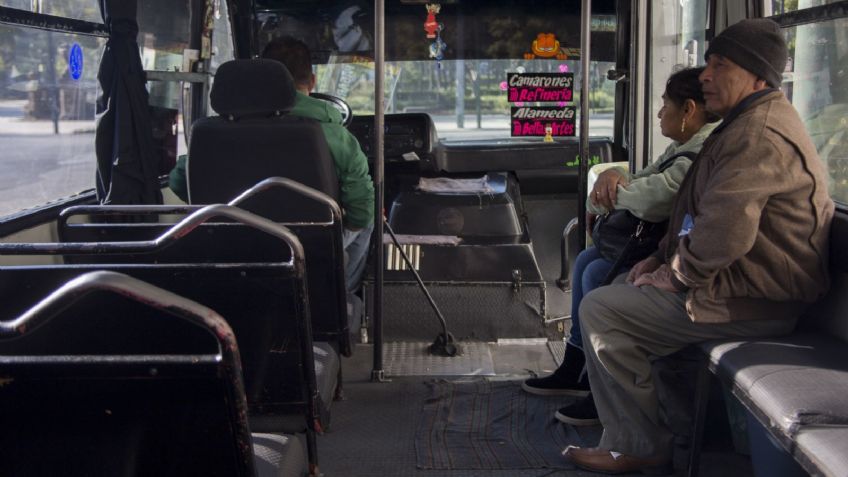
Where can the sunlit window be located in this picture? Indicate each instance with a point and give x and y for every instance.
(678, 41)
(785, 6)
(816, 82)
(87, 10)
(48, 87)
(481, 112)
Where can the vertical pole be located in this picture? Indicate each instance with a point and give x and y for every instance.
(460, 93)
(583, 165)
(52, 82)
(377, 147)
(460, 68)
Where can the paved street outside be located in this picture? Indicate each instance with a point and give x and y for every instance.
(37, 165)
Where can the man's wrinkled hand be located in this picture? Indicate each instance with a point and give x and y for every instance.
(659, 278)
(647, 265)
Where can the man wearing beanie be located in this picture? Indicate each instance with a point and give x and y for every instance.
(744, 255)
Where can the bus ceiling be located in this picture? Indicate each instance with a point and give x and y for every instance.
(471, 29)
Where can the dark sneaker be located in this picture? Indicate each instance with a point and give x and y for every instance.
(556, 385)
(580, 413)
(568, 380)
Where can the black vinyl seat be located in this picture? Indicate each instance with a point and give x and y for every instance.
(255, 138)
(109, 375)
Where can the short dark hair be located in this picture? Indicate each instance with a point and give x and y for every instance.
(684, 84)
(294, 54)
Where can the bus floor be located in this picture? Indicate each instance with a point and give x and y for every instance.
(375, 426)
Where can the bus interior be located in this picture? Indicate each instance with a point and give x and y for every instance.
(146, 335)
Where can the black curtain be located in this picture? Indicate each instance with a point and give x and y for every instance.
(127, 164)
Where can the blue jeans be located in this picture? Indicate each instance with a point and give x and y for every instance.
(356, 254)
(588, 273)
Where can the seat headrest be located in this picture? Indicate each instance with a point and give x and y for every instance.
(252, 88)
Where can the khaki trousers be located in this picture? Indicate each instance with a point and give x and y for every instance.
(626, 328)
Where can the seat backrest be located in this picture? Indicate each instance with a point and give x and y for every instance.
(830, 314)
(321, 240)
(254, 137)
(108, 375)
(251, 271)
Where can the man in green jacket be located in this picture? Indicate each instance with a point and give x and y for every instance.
(745, 253)
(357, 190)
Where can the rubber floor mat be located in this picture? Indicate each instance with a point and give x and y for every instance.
(484, 424)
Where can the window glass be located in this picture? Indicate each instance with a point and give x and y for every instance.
(482, 112)
(164, 27)
(19, 4)
(87, 10)
(477, 42)
(48, 87)
(677, 41)
(816, 82)
(785, 6)
(222, 36)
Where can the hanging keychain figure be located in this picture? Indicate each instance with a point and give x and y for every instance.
(437, 48)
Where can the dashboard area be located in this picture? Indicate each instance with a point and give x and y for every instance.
(408, 137)
(411, 144)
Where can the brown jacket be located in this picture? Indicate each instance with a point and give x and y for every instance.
(757, 196)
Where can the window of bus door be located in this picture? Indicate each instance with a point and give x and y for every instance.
(164, 33)
(222, 36)
(48, 87)
(816, 82)
(678, 34)
(87, 10)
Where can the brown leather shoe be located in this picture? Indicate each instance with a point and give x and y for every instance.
(606, 461)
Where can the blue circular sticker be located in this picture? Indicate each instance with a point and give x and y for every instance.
(75, 61)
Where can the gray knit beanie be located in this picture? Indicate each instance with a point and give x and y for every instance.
(755, 44)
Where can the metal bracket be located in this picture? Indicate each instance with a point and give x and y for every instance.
(379, 376)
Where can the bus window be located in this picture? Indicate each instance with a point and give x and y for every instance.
(483, 110)
(816, 82)
(87, 10)
(222, 36)
(678, 40)
(464, 92)
(48, 87)
(785, 6)
(164, 27)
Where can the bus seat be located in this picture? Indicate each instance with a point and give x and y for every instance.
(109, 375)
(333, 319)
(255, 138)
(258, 285)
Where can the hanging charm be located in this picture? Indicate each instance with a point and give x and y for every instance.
(437, 48)
(431, 26)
